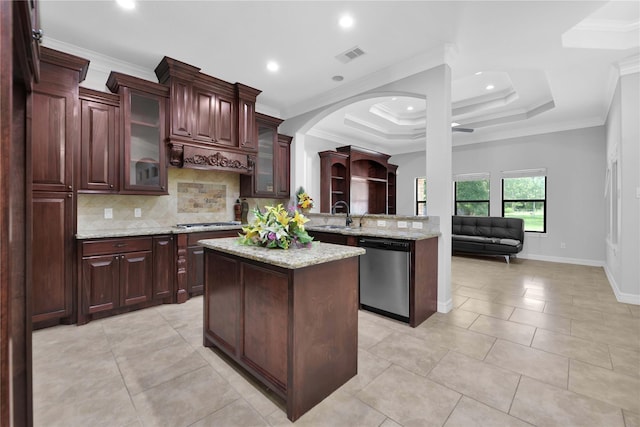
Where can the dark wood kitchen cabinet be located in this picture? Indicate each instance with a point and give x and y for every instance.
(334, 182)
(99, 142)
(143, 163)
(53, 117)
(246, 97)
(116, 276)
(52, 254)
(163, 267)
(271, 175)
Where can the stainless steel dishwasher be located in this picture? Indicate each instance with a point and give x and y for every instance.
(384, 277)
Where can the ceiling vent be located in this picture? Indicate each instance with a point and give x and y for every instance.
(350, 55)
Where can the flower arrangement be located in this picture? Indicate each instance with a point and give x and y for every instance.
(276, 228)
(304, 200)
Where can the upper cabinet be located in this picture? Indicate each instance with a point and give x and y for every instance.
(99, 142)
(143, 154)
(211, 121)
(271, 171)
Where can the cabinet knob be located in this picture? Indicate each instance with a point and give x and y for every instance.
(70, 187)
(110, 185)
(69, 195)
(37, 34)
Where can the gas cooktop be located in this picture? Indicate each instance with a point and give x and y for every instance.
(207, 224)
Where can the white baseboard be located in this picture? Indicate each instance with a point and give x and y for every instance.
(445, 306)
(620, 296)
(577, 261)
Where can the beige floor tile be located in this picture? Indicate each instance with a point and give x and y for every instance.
(489, 384)
(142, 341)
(545, 405)
(181, 315)
(492, 309)
(625, 360)
(461, 340)
(605, 385)
(572, 347)
(538, 364)
(572, 311)
(635, 310)
(184, 400)
(458, 300)
(549, 295)
(238, 413)
(69, 342)
(607, 333)
(369, 367)
(516, 332)
(461, 318)
(480, 294)
(112, 409)
(600, 305)
(413, 354)
(631, 419)
(550, 322)
(390, 423)
(339, 410)
(371, 333)
(521, 302)
(470, 412)
(420, 402)
(143, 371)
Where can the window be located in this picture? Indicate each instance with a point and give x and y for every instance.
(421, 196)
(472, 194)
(524, 196)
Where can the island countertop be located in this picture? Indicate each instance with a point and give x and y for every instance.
(292, 258)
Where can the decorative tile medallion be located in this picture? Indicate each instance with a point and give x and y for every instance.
(196, 197)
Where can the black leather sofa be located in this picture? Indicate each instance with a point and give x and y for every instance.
(484, 235)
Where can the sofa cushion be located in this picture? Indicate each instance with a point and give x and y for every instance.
(510, 242)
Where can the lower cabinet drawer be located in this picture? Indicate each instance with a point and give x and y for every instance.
(112, 246)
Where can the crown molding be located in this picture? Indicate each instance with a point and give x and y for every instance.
(629, 65)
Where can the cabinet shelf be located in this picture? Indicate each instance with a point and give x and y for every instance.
(338, 177)
(366, 178)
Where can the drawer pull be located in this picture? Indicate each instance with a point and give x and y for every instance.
(120, 245)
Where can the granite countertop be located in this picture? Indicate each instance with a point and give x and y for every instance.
(150, 231)
(292, 258)
(409, 234)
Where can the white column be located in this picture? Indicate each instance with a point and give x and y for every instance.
(439, 172)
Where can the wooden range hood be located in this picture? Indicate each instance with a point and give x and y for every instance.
(212, 124)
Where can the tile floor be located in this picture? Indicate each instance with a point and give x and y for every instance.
(530, 343)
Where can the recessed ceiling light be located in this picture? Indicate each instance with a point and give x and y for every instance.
(346, 21)
(478, 73)
(489, 87)
(273, 66)
(454, 124)
(337, 78)
(394, 98)
(126, 4)
(410, 108)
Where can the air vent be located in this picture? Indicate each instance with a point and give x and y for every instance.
(350, 55)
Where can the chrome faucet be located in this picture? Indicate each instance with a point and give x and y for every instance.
(342, 202)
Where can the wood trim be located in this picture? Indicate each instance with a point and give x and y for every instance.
(65, 60)
(117, 80)
(98, 96)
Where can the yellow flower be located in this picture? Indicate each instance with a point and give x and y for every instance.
(282, 216)
(300, 220)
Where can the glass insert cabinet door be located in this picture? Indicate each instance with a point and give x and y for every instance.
(144, 155)
(264, 167)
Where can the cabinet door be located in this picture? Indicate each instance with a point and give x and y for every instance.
(283, 166)
(52, 256)
(264, 171)
(204, 105)
(144, 167)
(100, 281)
(53, 130)
(163, 270)
(195, 269)
(180, 108)
(225, 121)
(246, 125)
(98, 148)
(222, 302)
(135, 277)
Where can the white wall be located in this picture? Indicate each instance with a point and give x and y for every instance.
(575, 187)
(623, 143)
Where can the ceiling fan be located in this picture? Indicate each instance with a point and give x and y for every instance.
(455, 127)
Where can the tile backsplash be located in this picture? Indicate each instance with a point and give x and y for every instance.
(194, 196)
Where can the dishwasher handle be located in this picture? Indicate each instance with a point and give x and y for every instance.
(385, 244)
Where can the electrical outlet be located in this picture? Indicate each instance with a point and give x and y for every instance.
(108, 213)
(137, 212)
(563, 245)
(416, 224)
(402, 224)
(382, 223)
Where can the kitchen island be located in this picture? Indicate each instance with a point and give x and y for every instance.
(289, 317)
